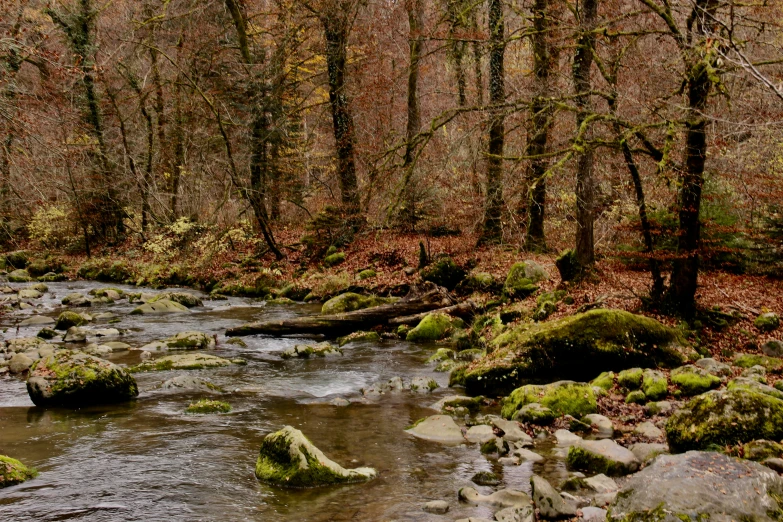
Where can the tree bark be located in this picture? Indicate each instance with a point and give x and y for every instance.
(414, 9)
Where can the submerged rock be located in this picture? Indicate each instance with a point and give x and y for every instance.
(700, 486)
(575, 347)
(208, 406)
(349, 301)
(305, 351)
(438, 428)
(190, 383)
(13, 472)
(75, 379)
(164, 306)
(436, 507)
(288, 459)
(358, 337)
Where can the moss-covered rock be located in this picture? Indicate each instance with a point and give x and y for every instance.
(478, 282)
(693, 380)
(767, 322)
(443, 272)
(366, 274)
(601, 456)
(335, 259)
(630, 379)
(185, 299)
(655, 385)
(287, 459)
(13, 472)
(75, 379)
(349, 301)
(433, 327)
(361, 336)
(204, 406)
(535, 413)
(604, 381)
(443, 354)
(52, 277)
(635, 397)
(760, 450)
(67, 319)
(186, 361)
(190, 341)
(743, 383)
(306, 351)
(747, 360)
(522, 279)
(563, 398)
(577, 347)
(164, 306)
(724, 418)
(19, 276)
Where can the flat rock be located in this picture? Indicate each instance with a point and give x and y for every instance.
(480, 434)
(548, 501)
(503, 498)
(436, 507)
(185, 361)
(645, 451)
(700, 486)
(189, 383)
(602, 426)
(75, 334)
(29, 293)
(117, 346)
(512, 431)
(648, 430)
(38, 320)
(521, 514)
(164, 306)
(438, 428)
(526, 454)
(566, 438)
(602, 456)
(601, 483)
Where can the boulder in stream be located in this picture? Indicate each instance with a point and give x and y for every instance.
(183, 298)
(350, 301)
(37, 320)
(13, 472)
(68, 319)
(503, 498)
(74, 379)
(164, 306)
(185, 361)
(437, 428)
(288, 459)
(306, 351)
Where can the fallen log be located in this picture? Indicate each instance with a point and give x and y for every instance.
(423, 299)
(464, 310)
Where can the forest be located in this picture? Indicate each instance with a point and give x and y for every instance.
(560, 219)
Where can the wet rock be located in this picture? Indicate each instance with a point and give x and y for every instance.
(645, 451)
(602, 456)
(451, 402)
(185, 299)
(485, 478)
(511, 430)
(205, 406)
(562, 397)
(370, 337)
(20, 363)
(68, 319)
(601, 425)
(164, 306)
(394, 384)
(29, 293)
(77, 300)
(113, 294)
(185, 361)
(13, 472)
(38, 320)
(75, 334)
(423, 385)
(436, 507)
(47, 333)
(480, 434)
(648, 430)
(438, 428)
(306, 351)
(288, 459)
(503, 498)
(495, 445)
(520, 514)
(190, 383)
(339, 401)
(75, 379)
(548, 501)
(714, 367)
(700, 486)
(593, 514)
(105, 332)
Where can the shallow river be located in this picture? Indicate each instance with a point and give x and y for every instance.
(147, 460)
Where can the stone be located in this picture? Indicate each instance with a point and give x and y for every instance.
(693, 380)
(726, 418)
(700, 486)
(562, 397)
(772, 348)
(288, 459)
(74, 379)
(523, 278)
(105, 332)
(334, 259)
(450, 403)
(163, 306)
(306, 351)
(480, 434)
(68, 319)
(520, 514)
(602, 456)
(437, 428)
(759, 450)
(75, 334)
(29, 293)
(190, 384)
(605, 381)
(47, 333)
(20, 363)
(19, 276)
(645, 451)
(757, 373)
(512, 432)
(576, 346)
(77, 300)
(191, 340)
(205, 406)
(183, 298)
(601, 483)
(503, 498)
(601, 425)
(658, 408)
(566, 438)
(548, 501)
(535, 413)
(369, 337)
(648, 430)
(13, 472)
(485, 478)
(508, 461)
(433, 327)
(436, 507)
(423, 384)
(443, 272)
(185, 361)
(654, 385)
(394, 384)
(714, 367)
(350, 301)
(774, 464)
(527, 455)
(593, 514)
(340, 401)
(630, 379)
(765, 322)
(38, 320)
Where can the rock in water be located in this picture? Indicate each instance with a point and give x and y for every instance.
(350, 301)
(438, 428)
(185, 361)
(700, 486)
(75, 379)
(164, 306)
(548, 501)
(183, 298)
(503, 498)
(288, 459)
(14, 472)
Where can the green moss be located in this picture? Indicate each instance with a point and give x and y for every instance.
(443, 354)
(335, 259)
(358, 336)
(635, 397)
(630, 379)
(537, 414)
(472, 404)
(470, 354)
(485, 478)
(563, 398)
(693, 380)
(443, 272)
(237, 341)
(583, 460)
(767, 322)
(604, 381)
(14, 472)
(772, 364)
(574, 347)
(521, 281)
(366, 274)
(760, 450)
(208, 406)
(457, 376)
(433, 327)
(349, 301)
(654, 385)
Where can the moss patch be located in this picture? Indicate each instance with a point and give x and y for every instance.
(14, 472)
(654, 385)
(433, 327)
(630, 379)
(349, 301)
(563, 398)
(208, 406)
(604, 381)
(67, 319)
(693, 380)
(772, 364)
(358, 336)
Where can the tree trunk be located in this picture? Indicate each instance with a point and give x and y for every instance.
(538, 131)
(336, 33)
(414, 8)
(585, 184)
(493, 229)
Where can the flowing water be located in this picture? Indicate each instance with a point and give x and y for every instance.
(147, 460)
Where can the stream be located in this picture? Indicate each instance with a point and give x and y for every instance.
(148, 460)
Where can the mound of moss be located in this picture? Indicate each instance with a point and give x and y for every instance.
(358, 337)
(13, 472)
(434, 327)
(693, 380)
(67, 319)
(208, 406)
(349, 301)
(287, 459)
(578, 347)
(562, 398)
(75, 379)
(183, 298)
(523, 278)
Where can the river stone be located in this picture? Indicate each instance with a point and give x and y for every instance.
(75, 334)
(20, 362)
(438, 428)
(436, 507)
(535, 413)
(19, 276)
(350, 301)
(287, 459)
(648, 430)
(185, 361)
(67, 319)
(480, 434)
(562, 397)
(75, 379)
(503, 498)
(21, 344)
(602, 456)
(602, 426)
(190, 383)
(566, 438)
(601, 483)
(433, 327)
(13, 472)
(164, 306)
(190, 341)
(38, 320)
(646, 451)
(305, 351)
(377, 389)
(117, 346)
(474, 519)
(29, 293)
(512, 431)
(105, 332)
(593, 514)
(548, 501)
(422, 384)
(183, 298)
(516, 514)
(76, 299)
(527, 455)
(700, 486)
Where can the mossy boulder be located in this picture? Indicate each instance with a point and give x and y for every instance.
(563, 398)
(306, 351)
(335, 259)
(287, 459)
(186, 361)
(630, 379)
(349, 301)
(605, 381)
(185, 299)
(693, 380)
(760, 450)
(205, 406)
(767, 322)
(535, 413)
(567, 265)
(635, 397)
(444, 272)
(190, 341)
(164, 306)
(13, 472)
(366, 274)
(601, 456)
(654, 385)
(722, 418)
(522, 279)
(433, 327)
(577, 347)
(360, 336)
(747, 360)
(52, 277)
(478, 282)
(68, 319)
(75, 379)
(19, 276)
